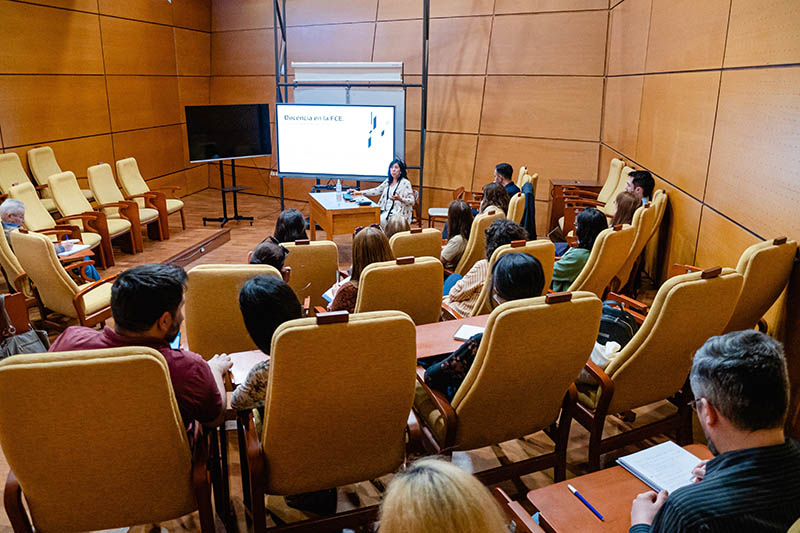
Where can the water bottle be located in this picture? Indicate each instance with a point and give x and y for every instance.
(338, 190)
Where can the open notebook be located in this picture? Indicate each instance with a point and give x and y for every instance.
(665, 466)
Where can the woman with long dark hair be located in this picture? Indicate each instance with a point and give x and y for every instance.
(588, 225)
(459, 222)
(396, 194)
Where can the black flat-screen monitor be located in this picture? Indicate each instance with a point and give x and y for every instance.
(218, 132)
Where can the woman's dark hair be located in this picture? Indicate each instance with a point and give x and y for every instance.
(518, 275)
(503, 231)
(142, 294)
(403, 170)
(459, 219)
(267, 302)
(291, 226)
(269, 252)
(588, 225)
(496, 195)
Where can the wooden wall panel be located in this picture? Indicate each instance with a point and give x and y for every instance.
(158, 151)
(686, 35)
(239, 53)
(403, 9)
(341, 42)
(149, 10)
(75, 155)
(177, 179)
(228, 15)
(551, 43)
(307, 12)
(536, 6)
(196, 178)
(621, 113)
(679, 228)
(677, 120)
(193, 51)
(36, 109)
(89, 6)
(454, 103)
(543, 106)
(721, 242)
(606, 155)
(754, 172)
(226, 90)
(763, 33)
(143, 101)
(550, 159)
(194, 14)
(132, 47)
(449, 160)
(630, 25)
(193, 91)
(71, 46)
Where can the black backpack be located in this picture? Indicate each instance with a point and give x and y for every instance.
(616, 324)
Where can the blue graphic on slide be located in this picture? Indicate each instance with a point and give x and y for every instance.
(373, 121)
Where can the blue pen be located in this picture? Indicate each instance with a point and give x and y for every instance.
(587, 504)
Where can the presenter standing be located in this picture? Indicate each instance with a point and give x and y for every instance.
(397, 196)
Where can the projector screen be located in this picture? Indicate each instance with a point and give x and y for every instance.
(334, 140)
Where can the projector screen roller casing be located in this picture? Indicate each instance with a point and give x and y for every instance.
(334, 140)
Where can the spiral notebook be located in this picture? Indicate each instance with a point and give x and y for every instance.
(665, 466)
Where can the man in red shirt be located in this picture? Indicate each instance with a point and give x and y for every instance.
(147, 306)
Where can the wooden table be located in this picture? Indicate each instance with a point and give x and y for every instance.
(610, 491)
(339, 217)
(437, 338)
(557, 196)
(77, 256)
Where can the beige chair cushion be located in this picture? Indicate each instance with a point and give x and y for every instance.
(430, 415)
(609, 208)
(97, 298)
(314, 266)
(118, 226)
(130, 178)
(37, 217)
(612, 181)
(12, 268)
(425, 244)
(68, 196)
(95, 438)
(609, 252)
(101, 180)
(643, 223)
(516, 207)
(476, 244)
(174, 205)
(43, 164)
(11, 171)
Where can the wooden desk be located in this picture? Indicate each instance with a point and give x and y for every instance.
(77, 256)
(437, 338)
(339, 217)
(557, 197)
(610, 491)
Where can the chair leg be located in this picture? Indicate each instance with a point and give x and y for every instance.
(243, 467)
(12, 500)
(183, 219)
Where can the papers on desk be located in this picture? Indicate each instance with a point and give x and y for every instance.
(330, 294)
(243, 362)
(75, 249)
(465, 332)
(665, 466)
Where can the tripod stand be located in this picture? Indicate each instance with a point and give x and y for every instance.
(233, 189)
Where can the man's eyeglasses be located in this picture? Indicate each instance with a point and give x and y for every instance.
(355, 231)
(693, 404)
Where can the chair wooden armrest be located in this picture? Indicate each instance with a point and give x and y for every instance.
(170, 188)
(677, 269)
(319, 309)
(95, 221)
(255, 459)
(306, 306)
(12, 500)
(447, 310)
(81, 266)
(76, 299)
(606, 391)
(634, 307)
(342, 274)
(474, 204)
(128, 209)
(152, 199)
(40, 187)
(516, 513)
(448, 272)
(444, 407)
(573, 190)
(63, 231)
(201, 479)
(581, 203)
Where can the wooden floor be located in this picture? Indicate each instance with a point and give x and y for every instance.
(243, 239)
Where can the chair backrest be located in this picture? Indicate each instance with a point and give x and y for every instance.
(766, 267)
(543, 249)
(37, 217)
(610, 207)
(417, 242)
(115, 430)
(338, 393)
(104, 188)
(476, 244)
(38, 259)
(687, 310)
(609, 252)
(130, 178)
(643, 224)
(408, 284)
(314, 265)
(42, 161)
(214, 323)
(11, 266)
(516, 207)
(11, 171)
(523, 171)
(517, 382)
(614, 173)
(67, 194)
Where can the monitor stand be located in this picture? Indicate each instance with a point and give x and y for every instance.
(233, 189)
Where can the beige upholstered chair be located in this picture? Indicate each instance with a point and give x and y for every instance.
(523, 171)
(408, 284)
(12, 173)
(214, 323)
(42, 161)
(596, 199)
(115, 452)
(516, 207)
(314, 266)
(609, 252)
(518, 383)
(532, 179)
(542, 249)
(439, 214)
(476, 244)
(643, 224)
(16, 279)
(515, 513)
(417, 242)
(655, 364)
(114, 205)
(89, 303)
(134, 187)
(610, 207)
(350, 426)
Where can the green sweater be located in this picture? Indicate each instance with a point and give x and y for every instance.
(566, 269)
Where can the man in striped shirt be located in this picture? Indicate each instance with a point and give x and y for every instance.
(741, 392)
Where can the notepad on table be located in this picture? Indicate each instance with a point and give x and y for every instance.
(74, 250)
(466, 331)
(243, 362)
(665, 466)
(330, 294)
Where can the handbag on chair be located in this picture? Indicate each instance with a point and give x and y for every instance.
(18, 336)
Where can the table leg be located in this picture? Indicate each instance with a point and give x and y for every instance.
(312, 225)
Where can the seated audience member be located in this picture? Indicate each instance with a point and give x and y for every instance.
(462, 295)
(396, 224)
(741, 394)
(626, 204)
(270, 252)
(494, 195)
(588, 225)
(266, 302)
(290, 226)
(504, 175)
(515, 276)
(370, 245)
(433, 495)
(641, 183)
(459, 222)
(147, 307)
